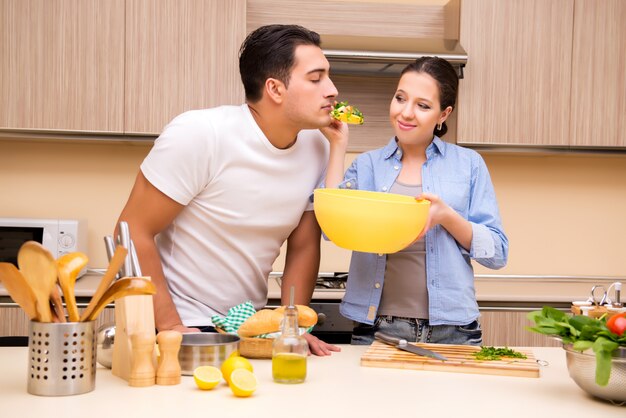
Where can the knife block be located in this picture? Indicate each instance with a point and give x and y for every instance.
(133, 315)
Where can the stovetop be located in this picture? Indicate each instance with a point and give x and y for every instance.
(326, 281)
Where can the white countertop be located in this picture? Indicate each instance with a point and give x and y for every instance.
(336, 386)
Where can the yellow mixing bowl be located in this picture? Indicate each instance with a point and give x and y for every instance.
(371, 222)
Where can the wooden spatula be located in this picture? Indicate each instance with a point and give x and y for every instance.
(19, 289)
(126, 286)
(69, 265)
(40, 270)
(114, 266)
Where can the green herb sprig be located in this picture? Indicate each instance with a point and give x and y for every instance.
(493, 353)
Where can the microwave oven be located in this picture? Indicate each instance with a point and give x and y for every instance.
(59, 236)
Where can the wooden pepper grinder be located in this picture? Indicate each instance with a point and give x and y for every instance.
(168, 371)
(142, 371)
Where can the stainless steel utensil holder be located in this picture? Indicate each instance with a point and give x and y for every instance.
(61, 358)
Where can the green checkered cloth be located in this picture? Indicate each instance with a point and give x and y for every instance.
(236, 316)
(301, 331)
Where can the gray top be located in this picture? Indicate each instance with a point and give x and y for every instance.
(404, 290)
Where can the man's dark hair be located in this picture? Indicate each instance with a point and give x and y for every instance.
(269, 52)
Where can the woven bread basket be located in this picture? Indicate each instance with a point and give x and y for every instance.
(254, 347)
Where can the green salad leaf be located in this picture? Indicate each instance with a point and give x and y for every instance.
(583, 332)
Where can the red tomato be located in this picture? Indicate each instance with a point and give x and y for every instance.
(617, 324)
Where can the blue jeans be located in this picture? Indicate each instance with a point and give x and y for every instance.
(418, 330)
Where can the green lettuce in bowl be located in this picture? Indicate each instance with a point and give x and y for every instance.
(583, 332)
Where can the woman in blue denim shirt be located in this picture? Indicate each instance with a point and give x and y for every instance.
(425, 292)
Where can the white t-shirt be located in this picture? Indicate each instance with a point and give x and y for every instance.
(243, 197)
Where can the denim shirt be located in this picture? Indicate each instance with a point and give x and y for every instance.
(460, 177)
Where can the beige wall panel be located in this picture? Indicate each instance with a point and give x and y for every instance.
(69, 181)
(328, 17)
(180, 55)
(599, 73)
(61, 65)
(517, 80)
(563, 214)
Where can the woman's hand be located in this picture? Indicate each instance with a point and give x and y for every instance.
(336, 133)
(442, 214)
(437, 214)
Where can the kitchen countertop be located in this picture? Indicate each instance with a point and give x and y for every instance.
(335, 386)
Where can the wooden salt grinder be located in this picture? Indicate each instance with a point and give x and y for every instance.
(168, 372)
(142, 371)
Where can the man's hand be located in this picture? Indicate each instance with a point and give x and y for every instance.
(319, 347)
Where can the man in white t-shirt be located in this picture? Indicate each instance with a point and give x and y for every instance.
(223, 188)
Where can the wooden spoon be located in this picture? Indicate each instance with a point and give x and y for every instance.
(126, 286)
(69, 265)
(58, 314)
(19, 289)
(40, 270)
(114, 266)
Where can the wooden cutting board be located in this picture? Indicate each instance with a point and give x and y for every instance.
(460, 360)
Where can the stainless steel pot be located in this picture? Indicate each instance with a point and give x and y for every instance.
(205, 349)
(582, 369)
(105, 337)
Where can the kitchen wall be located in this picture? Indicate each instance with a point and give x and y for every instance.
(565, 214)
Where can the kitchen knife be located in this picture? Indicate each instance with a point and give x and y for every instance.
(109, 245)
(404, 345)
(134, 260)
(127, 270)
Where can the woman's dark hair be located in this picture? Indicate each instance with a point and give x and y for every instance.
(269, 52)
(446, 77)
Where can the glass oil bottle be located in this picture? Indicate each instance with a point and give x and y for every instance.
(290, 350)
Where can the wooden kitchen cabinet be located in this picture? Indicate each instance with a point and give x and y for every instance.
(14, 322)
(62, 65)
(508, 328)
(180, 55)
(516, 89)
(405, 19)
(598, 113)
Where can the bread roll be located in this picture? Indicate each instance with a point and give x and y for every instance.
(262, 322)
(307, 317)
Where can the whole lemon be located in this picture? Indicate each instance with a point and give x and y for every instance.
(233, 363)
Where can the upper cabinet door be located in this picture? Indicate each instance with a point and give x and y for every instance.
(61, 65)
(181, 55)
(599, 74)
(394, 19)
(516, 89)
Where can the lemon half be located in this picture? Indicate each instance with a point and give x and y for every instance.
(207, 377)
(243, 382)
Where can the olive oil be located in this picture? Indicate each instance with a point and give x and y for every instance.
(290, 349)
(289, 367)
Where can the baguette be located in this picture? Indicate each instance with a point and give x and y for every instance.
(267, 321)
(262, 322)
(307, 317)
